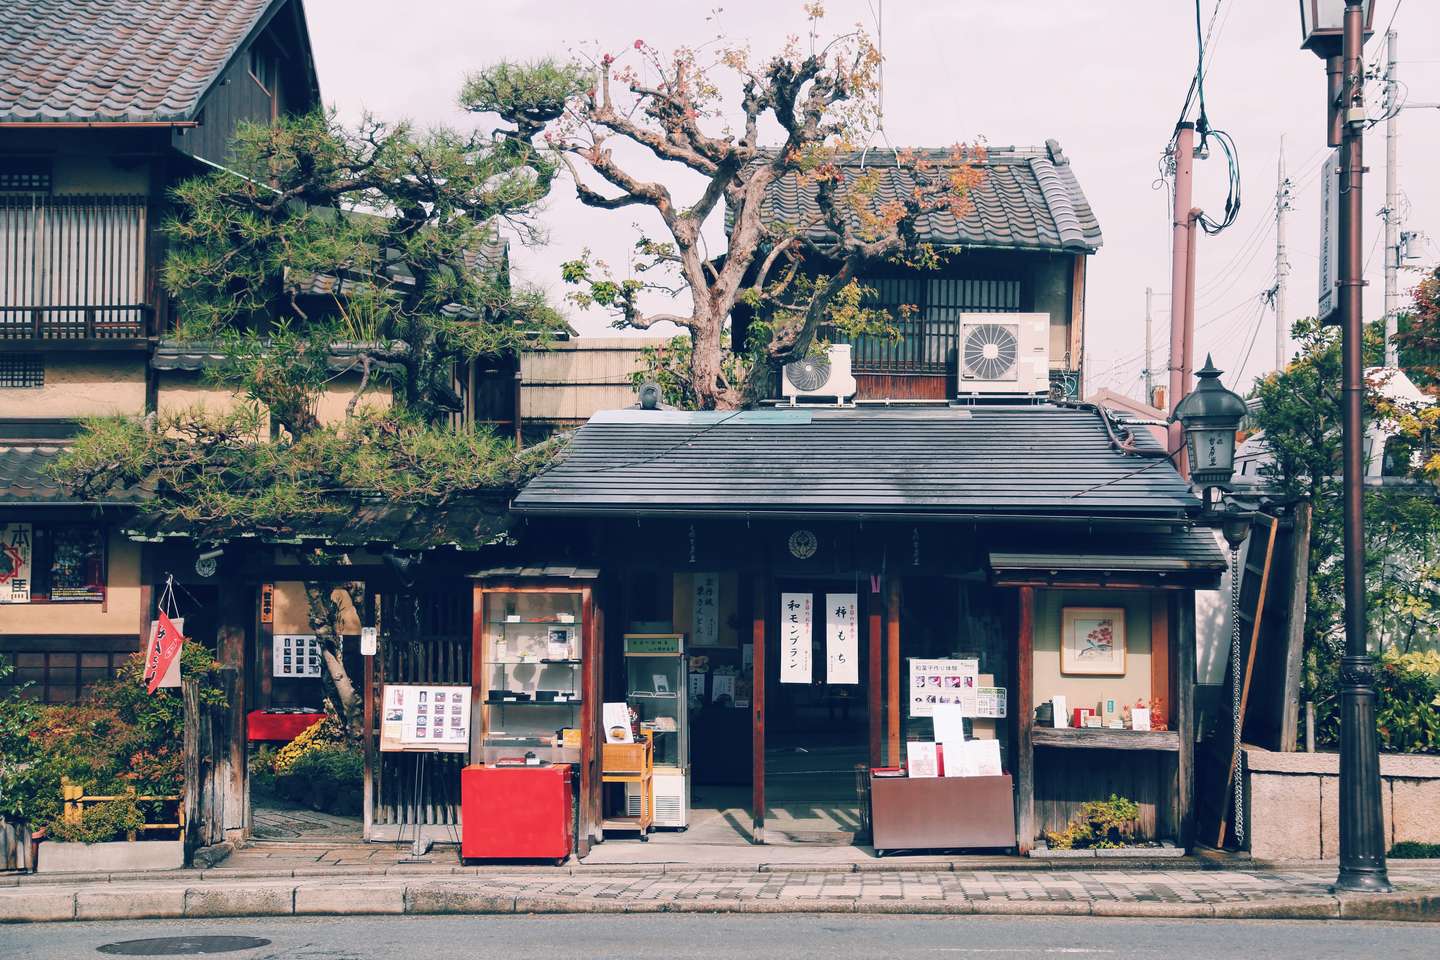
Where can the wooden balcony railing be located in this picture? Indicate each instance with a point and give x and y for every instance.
(73, 269)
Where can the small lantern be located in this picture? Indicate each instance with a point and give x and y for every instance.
(1210, 415)
(1322, 24)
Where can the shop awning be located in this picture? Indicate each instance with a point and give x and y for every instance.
(1188, 556)
(983, 462)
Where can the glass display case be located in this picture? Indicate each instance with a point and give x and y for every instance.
(531, 671)
(656, 690)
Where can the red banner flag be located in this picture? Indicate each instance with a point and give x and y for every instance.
(163, 650)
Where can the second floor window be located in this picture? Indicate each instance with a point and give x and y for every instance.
(59, 564)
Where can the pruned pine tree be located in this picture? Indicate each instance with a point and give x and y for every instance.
(708, 113)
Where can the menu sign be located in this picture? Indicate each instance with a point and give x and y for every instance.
(796, 616)
(417, 717)
(296, 656)
(706, 631)
(945, 682)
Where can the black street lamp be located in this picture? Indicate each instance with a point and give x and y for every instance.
(1336, 31)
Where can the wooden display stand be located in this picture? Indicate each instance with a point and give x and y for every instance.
(941, 813)
(631, 763)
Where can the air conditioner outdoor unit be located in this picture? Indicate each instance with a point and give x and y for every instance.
(1004, 354)
(827, 377)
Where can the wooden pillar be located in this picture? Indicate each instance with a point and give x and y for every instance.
(190, 805)
(876, 679)
(1182, 686)
(892, 637)
(237, 609)
(758, 604)
(1024, 724)
(367, 619)
(591, 736)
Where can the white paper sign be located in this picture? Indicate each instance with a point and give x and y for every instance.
(723, 685)
(697, 685)
(369, 641)
(616, 717)
(1140, 718)
(296, 655)
(796, 616)
(842, 643)
(16, 557)
(990, 702)
(706, 617)
(416, 717)
(920, 759)
(949, 722)
(1061, 719)
(942, 681)
(973, 758)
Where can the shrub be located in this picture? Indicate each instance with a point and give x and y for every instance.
(1098, 823)
(1407, 706)
(328, 777)
(1415, 850)
(100, 823)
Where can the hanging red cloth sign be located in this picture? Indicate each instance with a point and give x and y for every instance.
(164, 648)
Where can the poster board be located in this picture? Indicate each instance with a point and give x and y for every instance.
(425, 717)
(944, 681)
(17, 554)
(705, 610)
(296, 655)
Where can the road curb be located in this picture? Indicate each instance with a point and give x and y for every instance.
(458, 897)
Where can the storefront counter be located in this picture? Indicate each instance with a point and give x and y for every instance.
(516, 813)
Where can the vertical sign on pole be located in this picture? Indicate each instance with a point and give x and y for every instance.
(1329, 302)
(796, 615)
(16, 555)
(842, 638)
(706, 613)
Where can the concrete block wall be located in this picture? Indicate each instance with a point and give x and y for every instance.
(1292, 802)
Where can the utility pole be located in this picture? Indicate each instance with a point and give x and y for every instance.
(1282, 264)
(1182, 284)
(1392, 204)
(1149, 375)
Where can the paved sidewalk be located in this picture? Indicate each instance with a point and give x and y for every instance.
(940, 889)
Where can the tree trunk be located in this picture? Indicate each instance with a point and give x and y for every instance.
(325, 617)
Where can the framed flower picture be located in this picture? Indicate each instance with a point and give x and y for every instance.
(1092, 641)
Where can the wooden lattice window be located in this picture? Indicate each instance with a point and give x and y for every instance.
(21, 370)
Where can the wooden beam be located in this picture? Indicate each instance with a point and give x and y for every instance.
(1182, 712)
(1024, 724)
(591, 814)
(1159, 649)
(1077, 315)
(758, 604)
(367, 619)
(876, 681)
(893, 664)
(1295, 627)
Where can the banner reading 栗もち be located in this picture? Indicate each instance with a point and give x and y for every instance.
(796, 616)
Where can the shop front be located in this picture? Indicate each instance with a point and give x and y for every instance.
(964, 623)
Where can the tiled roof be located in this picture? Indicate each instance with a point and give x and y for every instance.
(983, 461)
(1027, 200)
(116, 60)
(25, 477)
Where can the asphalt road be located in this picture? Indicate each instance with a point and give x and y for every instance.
(800, 937)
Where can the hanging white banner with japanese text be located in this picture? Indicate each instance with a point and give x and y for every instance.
(796, 616)
(706, 615)
(16, 554)
(842, 645)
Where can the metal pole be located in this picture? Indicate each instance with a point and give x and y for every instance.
(1180, 290)
(1149, 374)
(1362, 828)
(1392, 205)
(1282, 264)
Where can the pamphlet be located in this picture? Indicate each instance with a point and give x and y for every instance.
(920, 759)
(616, 718)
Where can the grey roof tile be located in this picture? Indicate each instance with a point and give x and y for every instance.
(1027, 200)
(979, 461)
(116, 60)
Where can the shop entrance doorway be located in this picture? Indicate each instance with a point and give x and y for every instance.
(816, 731)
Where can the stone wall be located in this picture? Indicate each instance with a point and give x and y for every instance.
(1292, 802)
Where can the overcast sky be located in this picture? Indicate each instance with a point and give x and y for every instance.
(1104, 77)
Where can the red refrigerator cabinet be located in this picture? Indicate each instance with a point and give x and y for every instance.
(516, 813)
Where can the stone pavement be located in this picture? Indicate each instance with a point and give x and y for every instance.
(940, 887)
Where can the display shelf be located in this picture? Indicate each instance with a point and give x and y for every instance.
(533, 703)
(558, 662)
(1100, 738)
(642, 695)
(531, 621)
